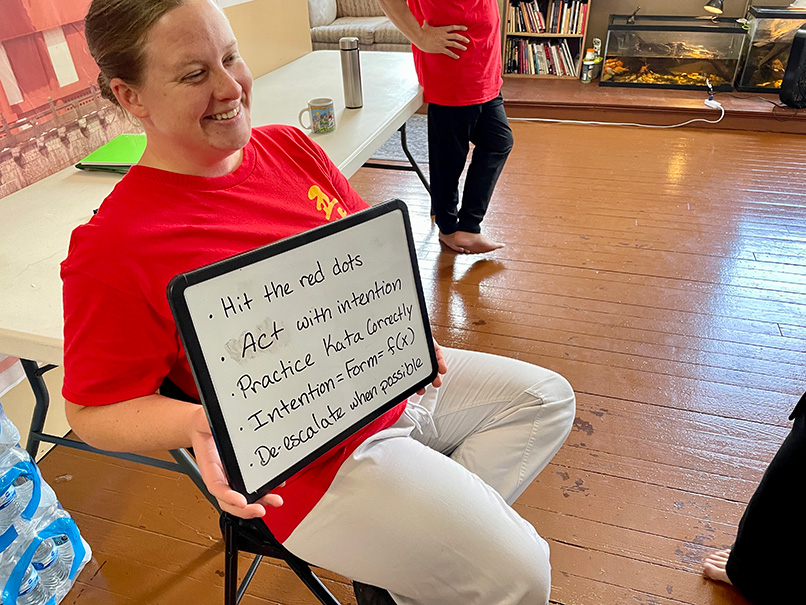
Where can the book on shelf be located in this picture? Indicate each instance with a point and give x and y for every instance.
(525, 17)
(540, 57)
(567, 17)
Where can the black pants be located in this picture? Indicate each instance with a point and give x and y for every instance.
(767, 559)
(450, 132)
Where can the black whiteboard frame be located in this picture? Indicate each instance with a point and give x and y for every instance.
(198, 365)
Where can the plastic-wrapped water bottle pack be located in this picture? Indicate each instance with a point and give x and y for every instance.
(41, 550)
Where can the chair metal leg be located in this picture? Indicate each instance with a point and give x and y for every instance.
(248, 577)
(304, 573)
(312, 581)
(188, 466)
(263, 544)
(42, 402)
(230, 565)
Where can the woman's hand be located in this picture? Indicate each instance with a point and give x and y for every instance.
(212, 471)
(442, 368)
(442, 39)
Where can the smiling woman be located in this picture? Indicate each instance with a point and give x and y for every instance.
(193, 99)
(434, 477)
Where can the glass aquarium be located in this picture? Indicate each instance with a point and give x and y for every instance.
(772, 30)
(655, 51)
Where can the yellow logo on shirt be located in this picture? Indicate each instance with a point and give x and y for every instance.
(326, 204)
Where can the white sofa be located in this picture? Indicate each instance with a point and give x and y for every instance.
(364, 19)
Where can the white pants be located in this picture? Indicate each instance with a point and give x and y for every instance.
(423, 508)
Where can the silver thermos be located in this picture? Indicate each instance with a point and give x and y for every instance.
(351, 72)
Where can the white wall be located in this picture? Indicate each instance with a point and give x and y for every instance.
(270, 33)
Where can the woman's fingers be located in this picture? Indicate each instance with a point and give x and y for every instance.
(251, 511)
(215, 479)
(273, 500)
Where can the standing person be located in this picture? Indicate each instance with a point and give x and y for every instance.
(418, 501)
(457, 55)
(766, 559)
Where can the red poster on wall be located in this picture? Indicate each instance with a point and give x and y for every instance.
(51, 112)
(43, 55)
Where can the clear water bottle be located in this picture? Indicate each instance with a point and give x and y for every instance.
(9, 435)
(66, 552)
(10, 508)
(49, 565)
(25, 489)
(32, 592)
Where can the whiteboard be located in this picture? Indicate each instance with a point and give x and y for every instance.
(296, 345)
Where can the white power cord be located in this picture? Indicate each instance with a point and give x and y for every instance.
(710, 102)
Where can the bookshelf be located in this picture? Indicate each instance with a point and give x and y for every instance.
(545, 38)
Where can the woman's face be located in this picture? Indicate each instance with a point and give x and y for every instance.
(196, 94)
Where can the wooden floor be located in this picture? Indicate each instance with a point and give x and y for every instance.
(662, 272)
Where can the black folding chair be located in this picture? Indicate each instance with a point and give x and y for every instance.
(254, 537)
(250, 536)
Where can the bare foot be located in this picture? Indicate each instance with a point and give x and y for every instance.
(714, 567)
(450, 242)
(469, 243)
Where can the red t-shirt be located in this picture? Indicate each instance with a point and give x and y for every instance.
(120, 336)
(475, 77)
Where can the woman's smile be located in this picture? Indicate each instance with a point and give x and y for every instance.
(228, 115)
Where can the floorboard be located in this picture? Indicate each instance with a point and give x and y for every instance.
(661, 271)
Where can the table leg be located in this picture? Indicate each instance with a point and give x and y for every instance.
(414, 166)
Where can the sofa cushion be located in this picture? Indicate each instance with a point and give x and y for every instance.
(387, 33)
(363, 28)
(321, 12)
(359, 8)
